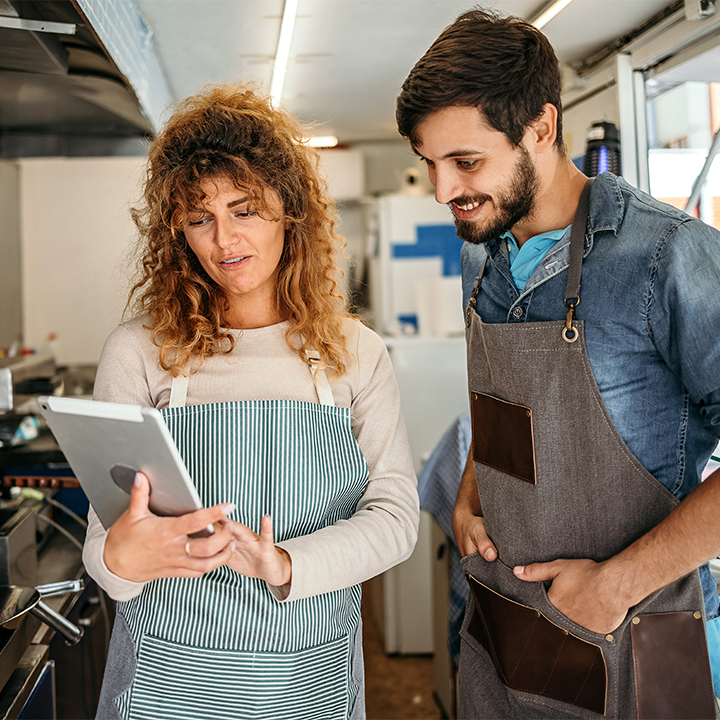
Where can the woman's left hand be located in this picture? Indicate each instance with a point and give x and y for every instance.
(257, 556)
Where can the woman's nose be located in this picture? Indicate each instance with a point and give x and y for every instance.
(225, 232)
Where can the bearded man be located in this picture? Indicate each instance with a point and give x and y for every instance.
(594, 378)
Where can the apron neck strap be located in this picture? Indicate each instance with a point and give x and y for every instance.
(577, 245)
(322, 385)
(178, 391)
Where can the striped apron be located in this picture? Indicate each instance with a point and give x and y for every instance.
(221, 646)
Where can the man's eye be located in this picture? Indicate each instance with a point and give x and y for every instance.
(467, 164)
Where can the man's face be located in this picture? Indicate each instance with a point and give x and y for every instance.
(488, 184)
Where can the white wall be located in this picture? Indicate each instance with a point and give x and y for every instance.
(10, 285)
(684, 111)
(76, 234)
(601, 107)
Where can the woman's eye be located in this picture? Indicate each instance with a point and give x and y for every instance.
(245, 213)
(197, 221)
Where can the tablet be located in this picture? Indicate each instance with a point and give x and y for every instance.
(107, 443)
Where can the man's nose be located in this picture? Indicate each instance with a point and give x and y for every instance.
(446, 184)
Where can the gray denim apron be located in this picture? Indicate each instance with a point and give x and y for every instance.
(221, 646)
(556, 480)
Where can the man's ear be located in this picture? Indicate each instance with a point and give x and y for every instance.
(543, 131)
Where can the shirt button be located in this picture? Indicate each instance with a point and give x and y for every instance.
(517, 312)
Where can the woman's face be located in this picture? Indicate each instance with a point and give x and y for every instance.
(239, 249)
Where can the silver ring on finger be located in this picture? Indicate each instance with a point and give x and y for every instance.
(187, 549)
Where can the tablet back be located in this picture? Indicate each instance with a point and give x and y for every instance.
(106, 443)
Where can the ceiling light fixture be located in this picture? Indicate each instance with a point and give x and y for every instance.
(549, 13)
(322, 141)
(283, 50)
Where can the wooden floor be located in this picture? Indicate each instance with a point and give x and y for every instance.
(398, 687)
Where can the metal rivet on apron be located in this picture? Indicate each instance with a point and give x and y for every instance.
(697, 614)
(609, 638)
(474, 396)
(537, 613)
(528, 413)
(567, 337)
(635, 620)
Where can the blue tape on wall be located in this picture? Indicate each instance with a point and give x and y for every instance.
(432, 241)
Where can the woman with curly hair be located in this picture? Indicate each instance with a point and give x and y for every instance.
(287, 414)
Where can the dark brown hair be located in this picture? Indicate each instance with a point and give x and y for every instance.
(501, 65)
(234, 132)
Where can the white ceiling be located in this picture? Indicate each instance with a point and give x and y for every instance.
(348, 58)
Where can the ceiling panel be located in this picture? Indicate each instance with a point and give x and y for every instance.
(348, 58)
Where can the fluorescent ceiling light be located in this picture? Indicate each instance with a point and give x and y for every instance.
(549, 13)
(322, 141)
(283, 50)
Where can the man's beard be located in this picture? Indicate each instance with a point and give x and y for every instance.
(511, 206)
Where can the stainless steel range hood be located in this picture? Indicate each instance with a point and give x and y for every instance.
(77, 77)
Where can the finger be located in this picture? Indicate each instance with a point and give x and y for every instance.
(486, 548)
(195, 567)
(140, 495)
(210, 546)
(266, 530)
(537, 572)
(198, 520)
(244, 533)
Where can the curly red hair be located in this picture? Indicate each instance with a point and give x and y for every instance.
(234, 132)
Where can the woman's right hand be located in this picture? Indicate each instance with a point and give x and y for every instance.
(142, 546)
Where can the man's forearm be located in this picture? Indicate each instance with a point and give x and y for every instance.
(468, 499)
(683, 541)
(468, 523)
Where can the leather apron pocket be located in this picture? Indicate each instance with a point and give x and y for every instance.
(672, 670)
(185, 683)
(502, 436)
(532, 654)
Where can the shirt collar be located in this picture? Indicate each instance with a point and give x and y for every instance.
(606, 204)
(606, 211)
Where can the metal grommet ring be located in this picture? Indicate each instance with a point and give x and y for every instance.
(187, 549)
(572, 339)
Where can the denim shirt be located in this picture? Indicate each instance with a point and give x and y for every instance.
(650, 302)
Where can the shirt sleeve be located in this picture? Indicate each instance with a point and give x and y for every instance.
(684, 313)
(119, 379)
(383, 530)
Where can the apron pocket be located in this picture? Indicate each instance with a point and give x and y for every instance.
(183, 682)
(502, 436)
(532, 654)
(672, 670)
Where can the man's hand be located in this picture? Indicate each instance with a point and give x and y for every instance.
(581, 591)
(467, 522)
(470, 535)
(142, 546)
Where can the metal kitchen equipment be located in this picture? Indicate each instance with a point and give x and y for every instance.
(16, 601)
(24, 377)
